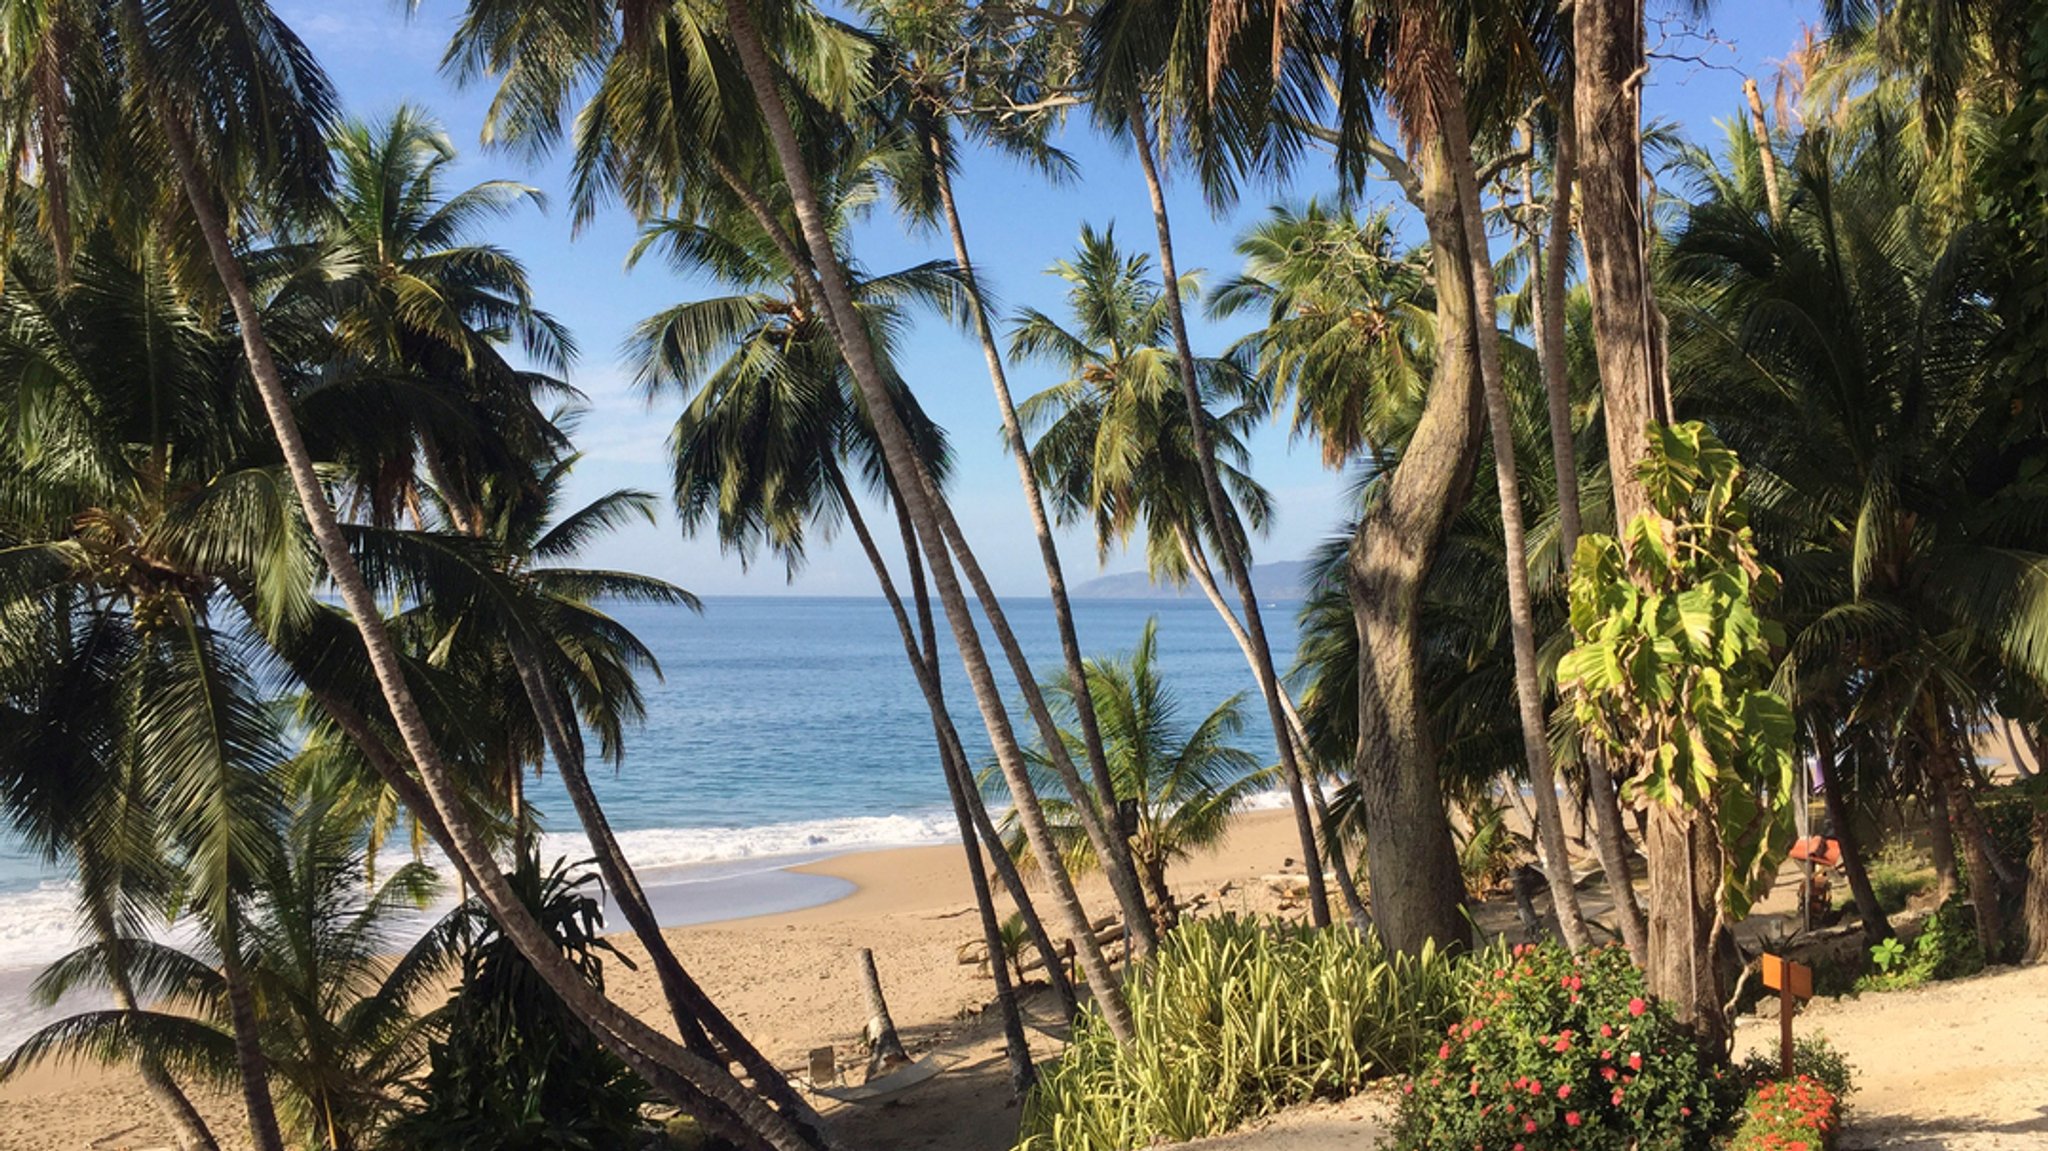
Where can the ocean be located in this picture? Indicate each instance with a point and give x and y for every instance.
(783, 730)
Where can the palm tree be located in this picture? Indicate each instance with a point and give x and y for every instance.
(337, 1020)
(1186, 781)
(230, 101)
(924, 48)
(1912, 587)
(1146, 61)
(543, 54)
(766, 444)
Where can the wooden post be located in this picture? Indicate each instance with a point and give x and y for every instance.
(885, 1050)
(1794, 984)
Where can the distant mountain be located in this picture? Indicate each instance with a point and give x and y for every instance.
(1283, 579)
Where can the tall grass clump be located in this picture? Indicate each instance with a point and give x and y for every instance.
(1237, 1017)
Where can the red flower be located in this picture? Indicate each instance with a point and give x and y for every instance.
(1528, 1127)
(1616, 1099)
(1635, 1061)
(1444, 1052)
(1571, 1119)
(1606, 1031)
(1637, 1006)
(1564, 1091)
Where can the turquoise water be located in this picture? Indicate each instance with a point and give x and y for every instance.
(783, 730)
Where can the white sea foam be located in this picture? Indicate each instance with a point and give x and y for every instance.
(39, 924)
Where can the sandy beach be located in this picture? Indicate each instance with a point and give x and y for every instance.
(788, 979)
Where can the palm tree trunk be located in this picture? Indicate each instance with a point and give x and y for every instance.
(1529, 698)
(2034, 910)
(190, 1129)
(1553, 257)
(1417, 889)
(249, 1059)
(991, 838)
(699, 1022)
(666, 1065)
(1034, 501)
(1876, 926)
(924, 664)
(1967, 825)
(1627, 331)
(1333, 843)
(1225, 519)
(901, 460)
(1098, 824)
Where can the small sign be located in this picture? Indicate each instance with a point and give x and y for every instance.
(1794, 980)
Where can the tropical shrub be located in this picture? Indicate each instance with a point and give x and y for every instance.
(1561, 1051)
(1798, 1114)
(514, 1069)
(1237, 1017)
(1946, 948)
(1812, 1057)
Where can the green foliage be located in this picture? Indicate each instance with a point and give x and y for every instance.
(1946, 948)
(1897, 875)
(1236, 1018)
(1561, 1051)
(1812, 1057)
(1802, 1114)
(1490, 849)
(515, 1070)
(1672, 657)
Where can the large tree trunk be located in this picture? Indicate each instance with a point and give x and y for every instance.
(1877, 927)
(1553, 264)
(1418, 892)
(681, 1074)
(1223, 515)
(1333, 844)
(900, 458)
(1550, 839)
(1027, 479)
(1607, 114)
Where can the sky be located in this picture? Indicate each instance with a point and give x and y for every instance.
(1016, 224)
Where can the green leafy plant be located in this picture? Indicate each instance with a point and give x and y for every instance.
(1672, 657)
(1799, 1114)
(1490, 849)
(1561, 1051)
(1237, 1017)
(515, 1070)
(1946, 948)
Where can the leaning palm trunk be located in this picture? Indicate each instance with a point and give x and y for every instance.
(1966, 824)
(1227, 541)
(192, 1133)
(1333, 844)
(1553, 258)
(924, 665)
(703, 1027)
(680, 1074)
(1607, 117)
(1027, 478)
(970, 793)
(919, 502)
(1550, 838)
(1876, 927)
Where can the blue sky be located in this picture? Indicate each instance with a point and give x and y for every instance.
(1016, 225)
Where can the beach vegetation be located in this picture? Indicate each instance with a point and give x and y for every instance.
(1551, 1049)
(1182, 777)
(509, 1065)
(1238, 1017)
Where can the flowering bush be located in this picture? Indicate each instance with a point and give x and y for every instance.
(1799, 1114)
(1562, 1052)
